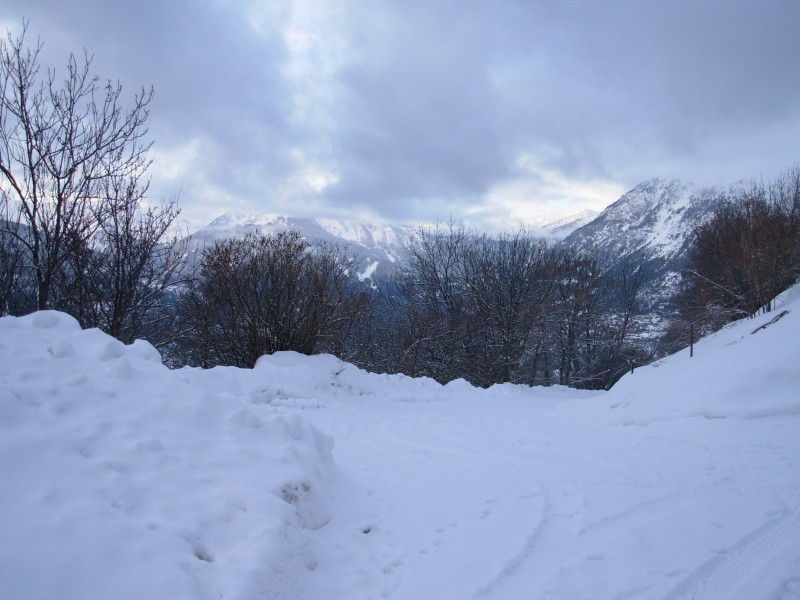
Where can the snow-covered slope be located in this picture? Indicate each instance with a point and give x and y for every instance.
(657, 217)
(657, 214)
(388, 238)
(373, 248)
(556, 229)
(122, 479)
(306, 478)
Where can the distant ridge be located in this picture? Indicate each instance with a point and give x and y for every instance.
(561, 228)
(375, 249)
(656, 217)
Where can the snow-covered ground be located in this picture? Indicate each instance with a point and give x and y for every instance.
(307, 478)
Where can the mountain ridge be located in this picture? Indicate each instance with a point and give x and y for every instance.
(372, 249)
(655, 219)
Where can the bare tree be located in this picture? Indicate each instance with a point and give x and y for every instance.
(624, 347)
(579, 310)
(117, 280)
(506, 308)
(508, 287)
(261, 294)
(742, 257)
(11, 260)
(430, 304)
(61, 141)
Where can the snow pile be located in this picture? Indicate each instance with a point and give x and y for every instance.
(122, 479)
(743, 371)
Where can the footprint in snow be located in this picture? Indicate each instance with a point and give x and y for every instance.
(791, 590)
(596, 556)
(389, 569)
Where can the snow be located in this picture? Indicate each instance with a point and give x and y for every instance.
(308, 478)
(364, 234)
(234, 224)
(657, 214)
(368, 272)
(365, 243)
(234, 219)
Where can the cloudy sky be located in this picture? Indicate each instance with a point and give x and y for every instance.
(410, 111)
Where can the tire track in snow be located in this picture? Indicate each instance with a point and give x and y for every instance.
(532, 541)
(556, 535)
(636, 514)
(719, 576)
(559, 532)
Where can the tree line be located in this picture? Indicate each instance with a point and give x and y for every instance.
(263, 294)
(77, 234)
(746, 254)
(488, 309)
(510, 308)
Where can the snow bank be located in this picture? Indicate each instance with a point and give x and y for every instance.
(122, 479)
(741, 372)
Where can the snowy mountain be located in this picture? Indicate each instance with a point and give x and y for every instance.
(559, 228)
(375, 249)
(386, 238)
(306, 478)
(656, 217)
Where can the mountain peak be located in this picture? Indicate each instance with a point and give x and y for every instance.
(647, 195)
(658, 216)
(369, 247)
(242, 219)
(657, 213)
(561, 228)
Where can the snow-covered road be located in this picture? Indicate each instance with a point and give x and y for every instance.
(305, 478)
(551, 497)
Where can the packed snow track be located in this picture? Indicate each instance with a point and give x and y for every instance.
(306, 478)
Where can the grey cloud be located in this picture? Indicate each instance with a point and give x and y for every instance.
(666, 77)
(213, 76)
(422, 118)
(435, 100)
(615, 89)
